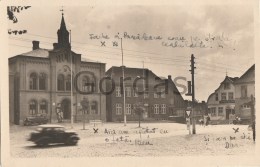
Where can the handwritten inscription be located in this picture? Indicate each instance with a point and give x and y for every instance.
(230, 141)
(208, 41)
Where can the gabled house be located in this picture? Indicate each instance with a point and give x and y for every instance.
(244, 92)
(221, 103)
(157, 105)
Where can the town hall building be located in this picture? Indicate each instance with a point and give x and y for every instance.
(40, 82)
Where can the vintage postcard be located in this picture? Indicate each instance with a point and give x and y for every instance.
(129, 84)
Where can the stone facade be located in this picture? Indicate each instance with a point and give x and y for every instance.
(40, 82)
(221, 103)
(157, 106)
(245, 90)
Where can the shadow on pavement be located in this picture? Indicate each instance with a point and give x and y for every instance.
(48, 146)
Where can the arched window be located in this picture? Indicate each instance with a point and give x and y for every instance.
(68, 82)
(93, 83)
(60, 82)
(42, 81)
(33, 81)
(43, 107)
(33, 107)
(85, 83)
(94, 107)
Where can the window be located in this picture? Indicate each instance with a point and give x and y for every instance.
(85, 82)
(162, 93)
(230, 96)
(156, 95)
(244, 91)
(68, 83)
(128, 91)
(118, 91)
(156, 108)
(94, 109)
(33, 81)
(220, 111)
(245, 106)
(233, 111)
(61, 82)
(216, 96)
(42, 81)
(32, 107)
(43, 107)
(88, 84)
(146, 94)
(163, 107)
(128, 109)
(213, 111)
(226, 86)
(118, 109)
(223, 96)
(135, 92)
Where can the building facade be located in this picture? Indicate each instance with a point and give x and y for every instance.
(221, 103)
(244, 93)
(160, 98)
(41, 80)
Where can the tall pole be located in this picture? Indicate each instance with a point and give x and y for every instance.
(143, 89)
(193, 95)
(71, 88)
(123, 73)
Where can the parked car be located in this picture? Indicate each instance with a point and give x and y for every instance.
(237, 120)
(35, 120)
(53, 134)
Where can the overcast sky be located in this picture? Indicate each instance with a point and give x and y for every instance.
(231, 50)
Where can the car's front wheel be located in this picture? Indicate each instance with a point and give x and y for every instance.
(42, 143)
(72, 141)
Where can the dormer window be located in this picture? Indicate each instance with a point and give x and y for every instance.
(226, 86)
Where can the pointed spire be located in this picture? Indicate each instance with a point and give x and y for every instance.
(226, 72)
(63, 34)
(62, 24)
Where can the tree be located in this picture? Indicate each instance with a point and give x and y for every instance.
(85, 108)
(139, 110)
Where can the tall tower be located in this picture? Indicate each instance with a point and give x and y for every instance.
(63, 35)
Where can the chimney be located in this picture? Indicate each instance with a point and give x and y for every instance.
(169, 77)
(55, 45)
(36, 45)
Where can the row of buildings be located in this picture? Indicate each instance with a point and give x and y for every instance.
(233, 98)
(40, 82)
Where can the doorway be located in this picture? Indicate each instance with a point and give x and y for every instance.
(66, 108)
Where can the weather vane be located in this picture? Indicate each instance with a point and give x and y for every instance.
(62, 10)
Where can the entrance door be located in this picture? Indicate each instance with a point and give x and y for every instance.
(228, 111)
(65, 108)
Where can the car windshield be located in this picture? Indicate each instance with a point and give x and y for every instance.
(59, 129)
(38, 129)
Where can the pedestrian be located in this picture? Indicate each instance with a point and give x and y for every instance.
(61, 116)
(58, 110)
(201, 122)
(208, 119)
(205, 120)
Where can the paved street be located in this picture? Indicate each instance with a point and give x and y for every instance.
(153, 139)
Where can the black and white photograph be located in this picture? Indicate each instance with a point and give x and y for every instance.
(136, 84)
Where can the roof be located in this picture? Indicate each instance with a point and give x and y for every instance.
(248, 76)
(37, 53)
(231, 79)
(51, 126)
(83, 59)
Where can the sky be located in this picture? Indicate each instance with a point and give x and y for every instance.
(221, 37)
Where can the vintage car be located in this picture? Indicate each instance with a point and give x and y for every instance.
(53, 134)
(35, 120)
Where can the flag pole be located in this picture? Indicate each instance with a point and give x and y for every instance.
(71, 88)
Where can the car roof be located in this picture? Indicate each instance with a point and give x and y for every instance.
(51, 126)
